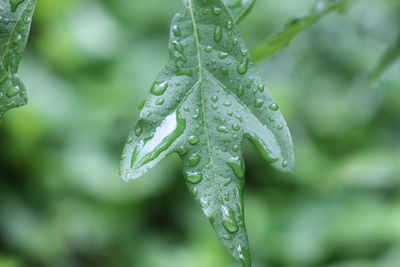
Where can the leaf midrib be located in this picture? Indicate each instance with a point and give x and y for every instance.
(196, 35)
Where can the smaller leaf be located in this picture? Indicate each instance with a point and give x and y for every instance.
(275, 43)
(15, 21)
(238, 8)
(387, 59)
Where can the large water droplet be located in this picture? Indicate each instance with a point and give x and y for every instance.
(217, 11)
(164, 135)
(176, 31)
(229, 221)
(274, 107)
(244, 256)
(243, 67)
(193, 177)
(194, 160)
(261, 87)
(229, 25)
(15, 3)
(258, 102)
(138, 131)
(217, 34)
(237, 165)
(222, 129)
(178, 46)
(223, 55)
(193, 139)
(13, 91)
(159, 88)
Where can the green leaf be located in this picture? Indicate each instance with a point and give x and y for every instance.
(15, 21)
(387, 59)
(203, 104)
(239, 8)
(277, 42)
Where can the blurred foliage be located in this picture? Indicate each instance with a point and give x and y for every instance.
(274, 43)
(89, 65)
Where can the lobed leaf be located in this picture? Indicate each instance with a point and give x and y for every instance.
(202, 105)
(15, 21)
(277, 42)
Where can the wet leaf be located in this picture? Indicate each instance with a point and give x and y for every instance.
(277, 42)
(204, 103)
(15, 22)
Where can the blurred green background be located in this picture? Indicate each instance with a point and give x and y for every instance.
(88, 66)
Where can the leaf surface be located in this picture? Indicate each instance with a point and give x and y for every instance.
(15, 22)
(277, 42)
(202, 105)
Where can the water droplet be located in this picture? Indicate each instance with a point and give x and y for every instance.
(261, 87)
(193, 177)
(285, 164)
(183, 151)
(193, 140)
(229, 221)
(227, 237)
(13, 91)
(160, 101)
(222, 129)
(184, 72)
(236, 127)
(195, 192)
(138, 131)
(224, 71)
(159, 88)
(194, 160)
(17, 39)
(214, 98)
(228, 181)
(240, 90)
(176, 31)
(243, 67)
(280, 127)
(15, 3)
(217, 34)
(274, 107)
(178, 46)
(237, 165)
(244, 256)
(217, 11)
(164, 135)
(223, 55)
(229, 25)
(258, 102)
(208, 48)
(214, 107)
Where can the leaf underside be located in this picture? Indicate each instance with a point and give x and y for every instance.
(202, 105)
(15, 22)
(277, 42)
